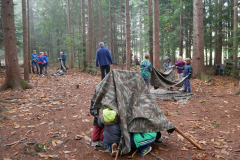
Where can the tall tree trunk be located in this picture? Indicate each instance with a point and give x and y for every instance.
(31, 20)
(84, 35)
(150, 30)
(216, 50)
(69, 34)
(198, 40)
(25, 44)
(58, 43)
(181, 32)
(128, 38)
(13, 77)
(219, 56)
(210, 34)
(29, 40)
(90, 42)
(156, 37)
(235, 42)
(110, 25)
(100, 20)
(121, 32)
(93, 30)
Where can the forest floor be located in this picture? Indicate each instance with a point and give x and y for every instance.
(56, 111)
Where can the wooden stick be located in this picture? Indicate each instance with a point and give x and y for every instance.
(117, 155)
(15, 142)
(156, 155)
(189, 139)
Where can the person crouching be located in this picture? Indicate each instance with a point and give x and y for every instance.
(109, 119)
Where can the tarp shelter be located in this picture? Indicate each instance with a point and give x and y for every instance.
(165, 79)
(127, 94)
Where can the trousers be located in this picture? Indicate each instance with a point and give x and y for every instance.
(187, 84)
(33, 66)
(105, 69)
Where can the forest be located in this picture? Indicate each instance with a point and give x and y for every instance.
(51, 112)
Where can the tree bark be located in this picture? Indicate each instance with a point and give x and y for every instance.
(69, 34)
(25, 42)
(13, 77)
(100, 20)
(235, 26)
(29, 39)
(128, 38)
(198, 40)
(84, 35)
(150, 30)
(110, 25)
(156, 37)
(121, 32)
(181, 32)
(90, 31)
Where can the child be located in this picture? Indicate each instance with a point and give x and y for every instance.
(45, 62)
(108, 119)
(187, 73)
(97, 134)
(146, 68)
(180, 63)
(40, 61)
(166, 66)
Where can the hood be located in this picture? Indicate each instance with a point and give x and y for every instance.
(167, 58)
(108, 116)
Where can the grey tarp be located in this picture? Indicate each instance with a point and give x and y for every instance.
(127, 94)
(166, 79)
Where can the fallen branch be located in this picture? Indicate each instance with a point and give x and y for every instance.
(15, 142)
(117, 154)
(156, 155)
(50, 100)
(189, 139)
(14, 98)
(63, 142)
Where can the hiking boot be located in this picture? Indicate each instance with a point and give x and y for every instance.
(158, 140)
(189, 92)
(114, 149)
(145, 151)
(184, 91)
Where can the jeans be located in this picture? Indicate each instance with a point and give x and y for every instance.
(187, 84)
(41, 68)
(33, 66)
(109, 147)
(45, 66)
(147, 81)
(180, 76)
(103, 69)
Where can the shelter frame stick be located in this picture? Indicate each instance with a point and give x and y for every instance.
(189, 139)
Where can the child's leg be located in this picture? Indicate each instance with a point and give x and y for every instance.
(147, 82)
(109, 147)
(185, 85)
(189, 85)
(96, 133)
(101, 135)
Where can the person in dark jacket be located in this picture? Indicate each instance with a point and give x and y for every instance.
(187, 73)
(110, 121)
(97, 134)
(63, 58)
(104, 58)
(45, 62)
(40, 62)
(180, 63)
(34, 61)
(166, 66)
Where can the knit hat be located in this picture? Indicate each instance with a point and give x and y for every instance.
(62, 52)
(108, 116)
(101, 44)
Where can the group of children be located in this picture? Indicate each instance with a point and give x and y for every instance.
(107, 129)
(184, 69)
(42, 61)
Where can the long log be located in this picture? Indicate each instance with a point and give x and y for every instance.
(189, 139)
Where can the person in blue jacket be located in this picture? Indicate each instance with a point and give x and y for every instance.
(45, 61)
(40, 62)
(166, 66)
(187, 73)
(34, 61)
(104, 58)
(63, 58)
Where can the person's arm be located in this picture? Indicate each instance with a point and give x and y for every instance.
(100, 124)
(97, 59)
(165, 66)
(150, 67)
(177, 63)
(189, 71)
(109, 57)
(32, 58)
(92, 111)
(182, 68)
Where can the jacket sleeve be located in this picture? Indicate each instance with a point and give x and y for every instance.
(182, 68)
(97, 59)
(165, 66)
(100, 124)
(110, 57)
(150, 67)
(91, 108)
(189, 71)
(64, 57)
(32, 58)
(177, 63)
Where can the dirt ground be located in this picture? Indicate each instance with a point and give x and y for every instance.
(211, 118)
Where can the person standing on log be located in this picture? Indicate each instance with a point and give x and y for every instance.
(34, 61)
(104, 58)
